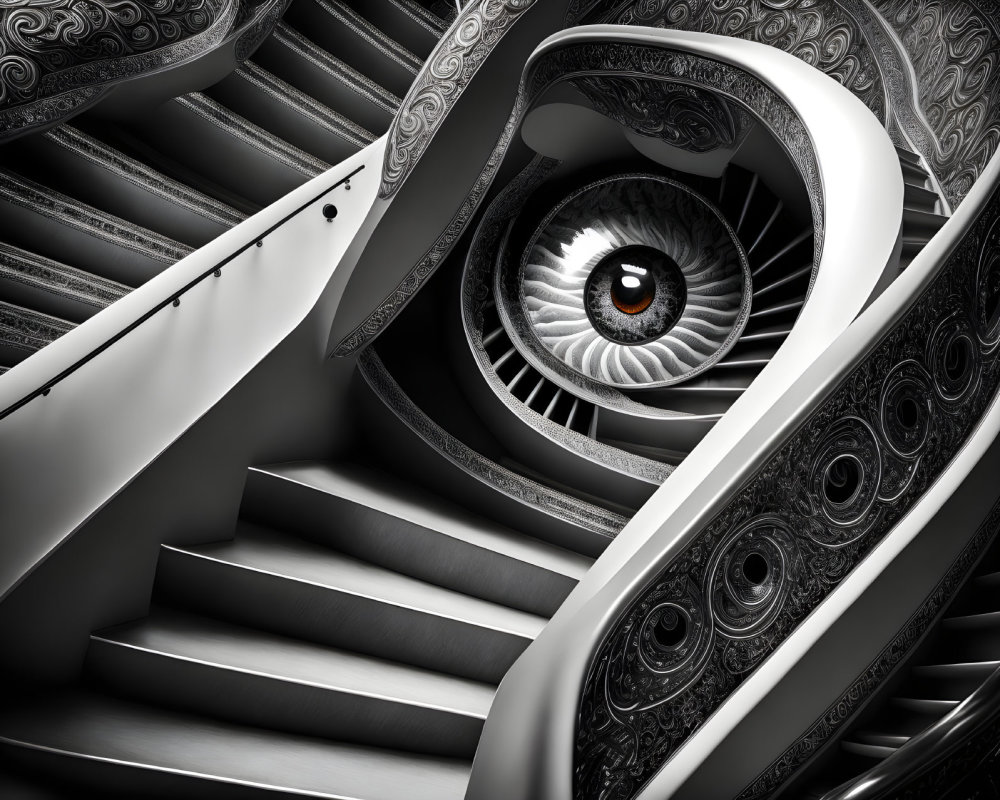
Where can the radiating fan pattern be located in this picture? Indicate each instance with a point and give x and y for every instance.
(586, 331)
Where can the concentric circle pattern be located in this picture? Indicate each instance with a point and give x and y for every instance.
(646, 236)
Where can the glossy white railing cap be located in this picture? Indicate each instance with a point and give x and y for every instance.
(529, 737)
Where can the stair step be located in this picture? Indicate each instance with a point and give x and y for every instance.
(919, 198)
(288, 113)
(921, 224)
(339, 29)
(874, 751)
(892, 740)
(907, 155)
(296, 588)
(63, 229)
(147, 752)
(103, 176)
(952, 681)
(375, 517)
(310, 68)
(30, 281)
(23, 332)
(414, 27)
(257, 678)
(913, 174)
(242, 157)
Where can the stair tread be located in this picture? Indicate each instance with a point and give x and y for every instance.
(241, 129)
(43, 273)
(29, 329)
(983, 668)
(400, 499)
(296, 559)
(98, 727)
(337, 69)
(206, 640)
(304, 105)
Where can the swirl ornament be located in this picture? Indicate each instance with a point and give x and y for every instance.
(59, 56)
(678, 114)
(906, 404)
(442, 81)
(954, 359)
(748, 577)
(634, 281)
(669, 641)
(842, 479)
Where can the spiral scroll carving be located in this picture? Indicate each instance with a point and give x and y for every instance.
(441, 82)
(42, 40)
(831, 492)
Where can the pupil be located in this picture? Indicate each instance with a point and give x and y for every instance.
(633, 289)
(635, 294)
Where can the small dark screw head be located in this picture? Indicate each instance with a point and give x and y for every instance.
(177, 302)
(218, 273)
(347, 185)
(329, 211)
(260, 243)
(45, 392)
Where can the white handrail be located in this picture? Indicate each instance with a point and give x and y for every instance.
(105, 422)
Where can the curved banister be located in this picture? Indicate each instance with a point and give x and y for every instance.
(529, 737)
(967, 734)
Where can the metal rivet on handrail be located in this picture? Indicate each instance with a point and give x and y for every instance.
(218, 273)
(329, 211)
(177, 302)
(260, 243)
(45, 391)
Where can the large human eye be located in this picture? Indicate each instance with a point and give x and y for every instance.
(635, 281)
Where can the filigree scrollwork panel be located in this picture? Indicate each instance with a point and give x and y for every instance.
(954, 47)
(797, 528)
(819, 32)
(681, 115)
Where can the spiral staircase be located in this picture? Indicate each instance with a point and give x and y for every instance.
(346, 634)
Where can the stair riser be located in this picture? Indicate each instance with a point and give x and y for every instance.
(921, 225)
(227, 160)
(403, 546)
(335, 37)
(276, 704)
(47, 236)
(318, 83)
(282, 119)
(108, 780)
(326, 615)
(402, 27)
